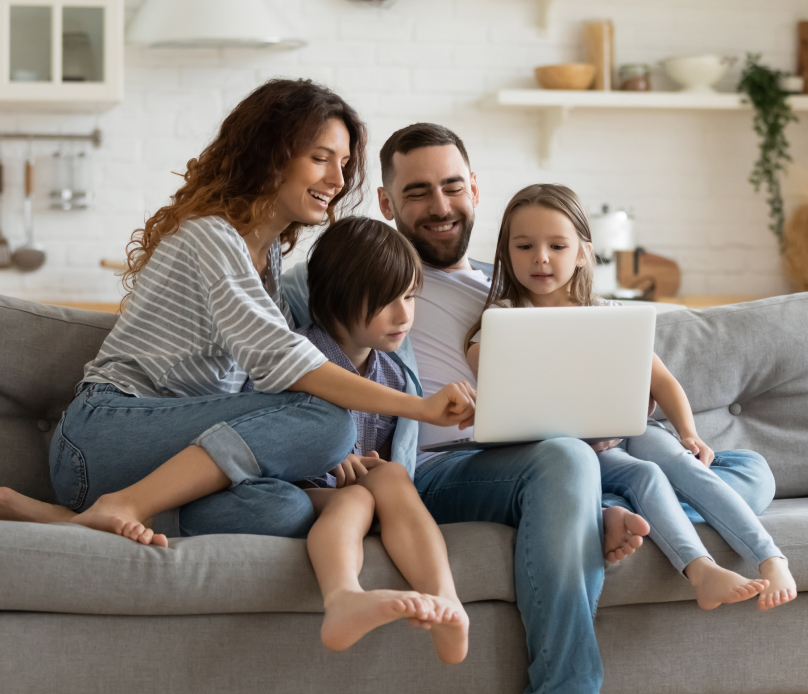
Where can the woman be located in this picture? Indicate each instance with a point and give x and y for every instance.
(160, 407)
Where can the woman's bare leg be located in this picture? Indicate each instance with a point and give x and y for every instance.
(18, 507)
(335, 549)
(416, 546)
(187, 476)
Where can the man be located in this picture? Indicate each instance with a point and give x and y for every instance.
(549, 491)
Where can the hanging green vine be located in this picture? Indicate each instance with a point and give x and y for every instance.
(772, 114)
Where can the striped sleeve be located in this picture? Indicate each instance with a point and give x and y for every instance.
(247, 322)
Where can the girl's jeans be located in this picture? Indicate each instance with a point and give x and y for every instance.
(108, 440)
(655, 473)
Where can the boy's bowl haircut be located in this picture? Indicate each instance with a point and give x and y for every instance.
(357, 267)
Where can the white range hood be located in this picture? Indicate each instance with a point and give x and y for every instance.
(210, 24)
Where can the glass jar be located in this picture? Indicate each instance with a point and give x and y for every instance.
(635, 77)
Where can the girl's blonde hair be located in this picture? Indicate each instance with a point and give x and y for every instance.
(505, 288)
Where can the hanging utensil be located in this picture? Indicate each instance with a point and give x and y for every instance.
(5, 249)
(30, 256)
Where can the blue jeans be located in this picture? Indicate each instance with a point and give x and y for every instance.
(655, 473)
(107, 440)
(551, 493)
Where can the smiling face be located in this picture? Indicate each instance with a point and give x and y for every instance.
(432, 196)
(545, 250)
(314, 178)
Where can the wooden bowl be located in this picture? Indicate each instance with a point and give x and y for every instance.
(569, 76)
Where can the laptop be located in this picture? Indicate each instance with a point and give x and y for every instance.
(582, 372)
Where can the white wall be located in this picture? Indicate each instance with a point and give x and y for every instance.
(683, 173)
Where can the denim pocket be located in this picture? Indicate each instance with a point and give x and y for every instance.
(68, 470)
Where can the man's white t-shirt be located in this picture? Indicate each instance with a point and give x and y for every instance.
(448, 305)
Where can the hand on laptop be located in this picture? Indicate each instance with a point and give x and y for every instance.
(452, 405)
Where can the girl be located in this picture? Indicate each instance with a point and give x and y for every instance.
(159, 420)
(544, 258)
(363, 276)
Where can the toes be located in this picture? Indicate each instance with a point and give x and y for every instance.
(635, 541)
(146, 536)
(160, 540)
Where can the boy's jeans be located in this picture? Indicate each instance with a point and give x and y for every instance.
(108, 440)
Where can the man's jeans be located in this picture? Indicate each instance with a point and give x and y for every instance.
(108, 440)
(550, 492)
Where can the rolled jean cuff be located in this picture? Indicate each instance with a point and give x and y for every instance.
(230, 452)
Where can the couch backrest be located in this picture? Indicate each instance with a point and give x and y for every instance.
(43, 350)
(744, 367)
(745, 370)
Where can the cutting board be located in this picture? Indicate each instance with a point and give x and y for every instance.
(664, 271)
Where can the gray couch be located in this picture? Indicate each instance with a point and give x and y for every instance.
(83, 612)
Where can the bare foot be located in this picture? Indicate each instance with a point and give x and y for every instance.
(17, 507)
(450, 630)
(622, 533)
(108, 515)
(782, 587)
(715, 585)
(349, 615)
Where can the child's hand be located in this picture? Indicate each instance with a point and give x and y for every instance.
(698, 448)
(354, 467)
(601, 446)
(452, 405)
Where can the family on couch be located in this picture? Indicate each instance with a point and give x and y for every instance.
(222, 391)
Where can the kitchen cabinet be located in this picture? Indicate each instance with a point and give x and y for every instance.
(61, 56)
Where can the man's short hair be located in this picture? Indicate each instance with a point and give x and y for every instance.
(357, 267)
(414, 137)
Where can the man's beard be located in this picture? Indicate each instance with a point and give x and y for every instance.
(430, 253)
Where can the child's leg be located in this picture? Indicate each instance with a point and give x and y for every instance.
(652, 496)
(722, 508)
(416, 546)
(335, 549)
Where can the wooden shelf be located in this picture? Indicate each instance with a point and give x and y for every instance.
(557, 104)
(560, 98)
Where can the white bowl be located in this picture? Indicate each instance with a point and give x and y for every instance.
(697, 73)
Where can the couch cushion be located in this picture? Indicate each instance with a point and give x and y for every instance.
(68, 568)
(65, 568)
(42, 357)
(745, 370)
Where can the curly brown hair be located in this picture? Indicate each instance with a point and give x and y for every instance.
(238, 175)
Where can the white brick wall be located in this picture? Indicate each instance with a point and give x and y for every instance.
(684, 174)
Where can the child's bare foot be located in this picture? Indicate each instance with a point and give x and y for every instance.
(450, 630)
(622, 533)
(110, 516)
(17, 507)
(349, 615)
(715, 585)
(782, 587)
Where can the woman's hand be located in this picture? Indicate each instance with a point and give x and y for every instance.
(354, 467)
(452, 405)
(698, 448)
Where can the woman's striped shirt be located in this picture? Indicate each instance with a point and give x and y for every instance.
(199, 321)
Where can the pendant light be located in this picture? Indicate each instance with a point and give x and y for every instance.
(210, 24)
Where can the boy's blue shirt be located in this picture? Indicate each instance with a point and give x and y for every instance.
(405, 438)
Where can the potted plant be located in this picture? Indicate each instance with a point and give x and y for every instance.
(773, 113)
